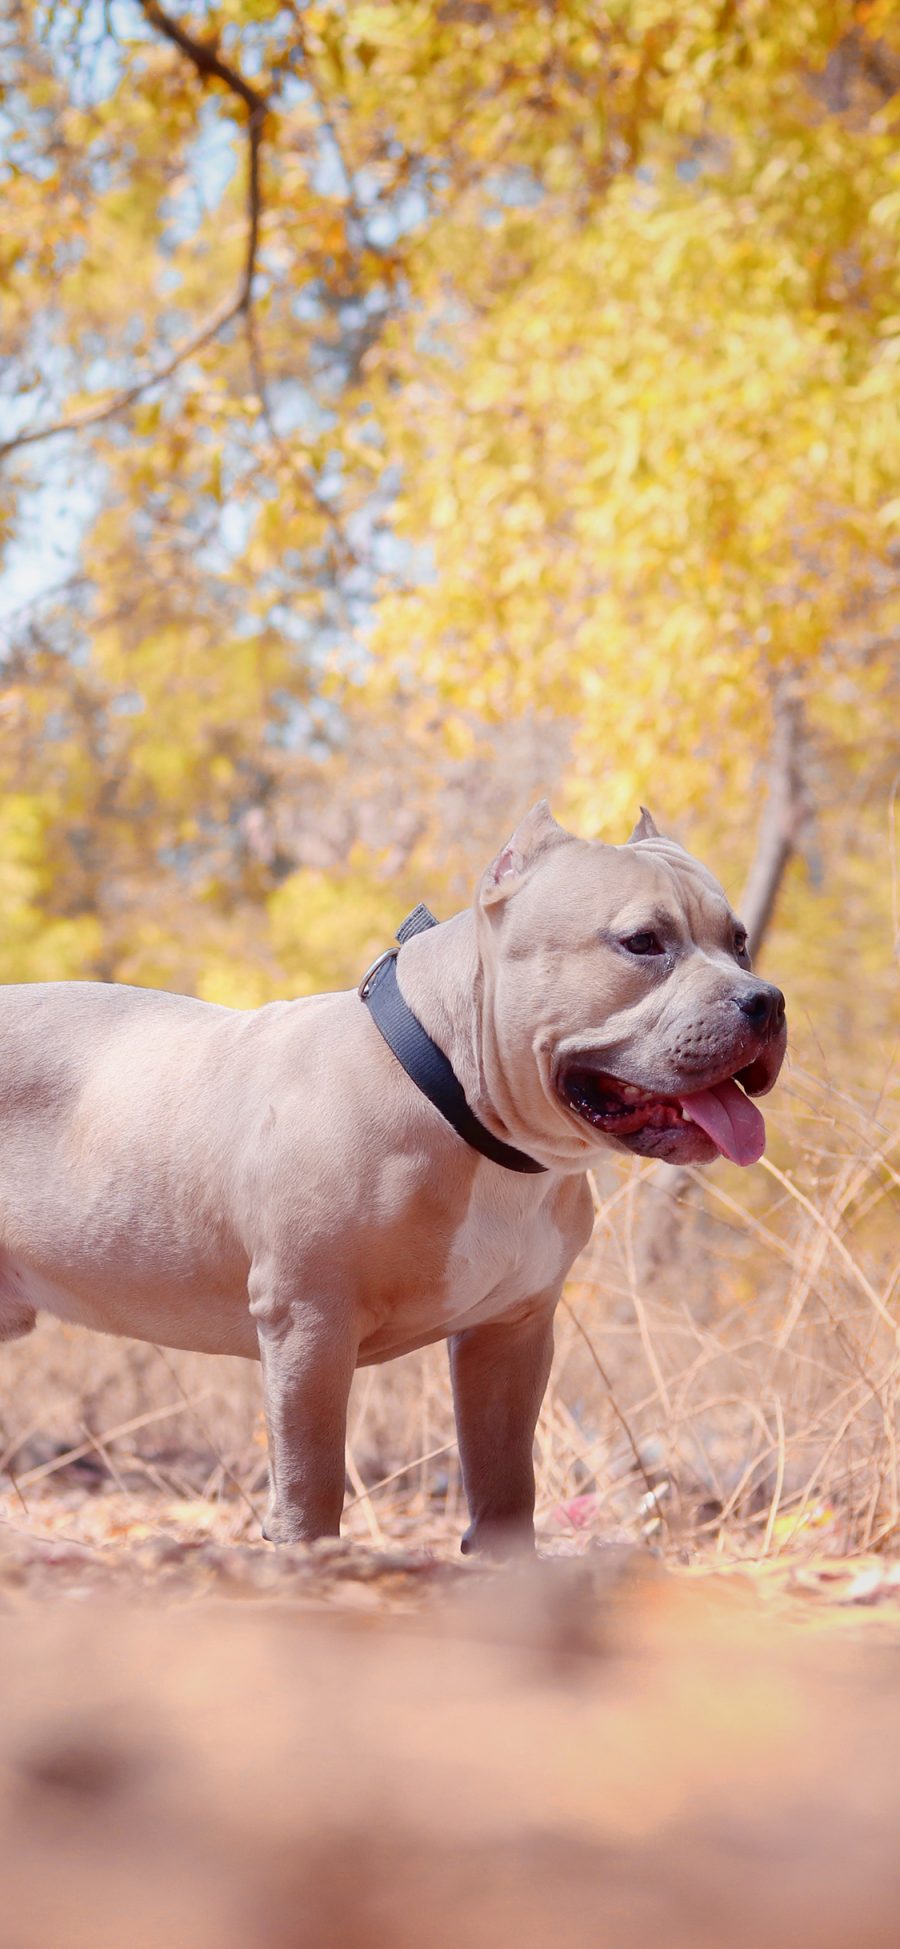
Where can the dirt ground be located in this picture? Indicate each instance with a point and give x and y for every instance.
(208, 1744)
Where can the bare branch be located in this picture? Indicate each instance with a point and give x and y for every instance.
(618, 1412)
(209, 66)
(205, 56)
(119, 402)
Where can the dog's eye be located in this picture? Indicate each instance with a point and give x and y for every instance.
(740, 944)
(644, 944)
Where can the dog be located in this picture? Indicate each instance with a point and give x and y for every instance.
(332, 1181)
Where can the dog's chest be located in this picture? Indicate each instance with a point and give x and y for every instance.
(506, 1249)
(499, 1257)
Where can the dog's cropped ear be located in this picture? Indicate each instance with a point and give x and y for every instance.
(534, 835)
(646, 828)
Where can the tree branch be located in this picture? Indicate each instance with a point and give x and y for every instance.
(211, 67)
(205, 57)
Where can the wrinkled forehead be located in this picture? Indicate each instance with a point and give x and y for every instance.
(637, 884)
(677, 870)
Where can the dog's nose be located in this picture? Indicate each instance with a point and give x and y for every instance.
(763, 1007)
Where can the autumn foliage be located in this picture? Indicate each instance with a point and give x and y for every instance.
(550, 372)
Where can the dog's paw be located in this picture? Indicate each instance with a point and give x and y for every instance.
(280, 1525)
(499, 1542)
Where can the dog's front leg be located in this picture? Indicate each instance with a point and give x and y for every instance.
(308, 1353)
(499, 1375)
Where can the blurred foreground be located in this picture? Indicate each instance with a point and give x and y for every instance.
(233, 1749)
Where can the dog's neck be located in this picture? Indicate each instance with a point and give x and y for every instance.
(440, 977)
(447, 983)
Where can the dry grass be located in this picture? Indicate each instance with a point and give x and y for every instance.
(738, 1397)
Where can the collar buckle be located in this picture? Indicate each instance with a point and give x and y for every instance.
(365, 986)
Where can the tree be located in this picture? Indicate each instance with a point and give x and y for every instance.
(432, 369)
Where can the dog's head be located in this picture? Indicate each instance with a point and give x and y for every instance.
(620, 1004)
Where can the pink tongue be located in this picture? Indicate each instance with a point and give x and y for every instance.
(730, 1119)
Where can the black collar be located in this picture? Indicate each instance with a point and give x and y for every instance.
(423, 1061)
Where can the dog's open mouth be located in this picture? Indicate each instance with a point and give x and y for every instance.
(731, 1122)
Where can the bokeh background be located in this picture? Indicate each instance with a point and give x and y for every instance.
(409, 409)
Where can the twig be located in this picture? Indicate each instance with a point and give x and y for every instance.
(446, 1448)
(639, 1308)
(108, 1463)
(803, 1497)
(779, 1478)
(374, 1527)
(617, 1411)
(751, 1223)
(855, 1271)
(44, 1469)
(189, 1404)
(14, 1480)
(756, 1461)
